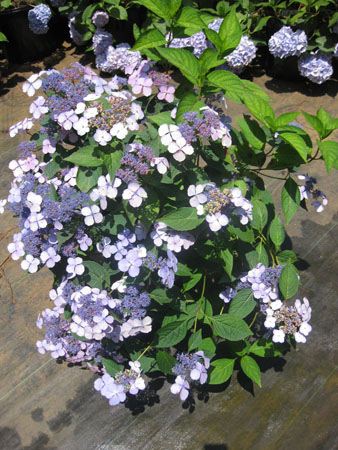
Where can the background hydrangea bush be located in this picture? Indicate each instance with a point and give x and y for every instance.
(306, 30)
(149, 207)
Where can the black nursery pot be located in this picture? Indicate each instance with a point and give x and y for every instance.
(286, 69)
(123, 30)
(24, 45)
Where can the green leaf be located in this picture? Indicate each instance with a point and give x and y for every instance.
(113, 162)
(51, 169)
(174, 6)
(87, 178)
(99, 276)
(162, 296)
(161, 118)
(243, 235)
(251, 369)
(195, 340)
(182, 219)
(289, 281)
(228, 261)
(262, 254)
(314, 122)
(63, 236)
(298, 143)
(209, 59)
(230, 32)
(192, 282)
(166, 9)
(214, 38)
(172, 333)
(149, 39)
(285, 119)
(259, 215)
(148, 364)
(261, 23)
(3, 38)
(264, 349)
(329, 122)
(222, 370)
(286, 256)
(229, 82)
(189, 102)
(252, 258)
(253, 133)
(148, 211)
(183, 270)
(118, 12)
(111, 366)
(260, 109)
(290, 199)
(165, 362)
(230, 327)
(87, 13)
(329, 151)
(276, 232)
(86, 157)
(242, 304)
(254, 90)
(208, 346)
(190, 18)
(184, 60)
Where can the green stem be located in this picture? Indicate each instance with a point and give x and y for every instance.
(200, 301)
(265, 175)
(253, 320)
(144, 351)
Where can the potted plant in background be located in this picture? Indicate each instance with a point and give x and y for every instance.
(31, 30)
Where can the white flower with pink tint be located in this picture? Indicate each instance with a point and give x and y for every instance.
(48, 146)
(38, 108)
(161, 163)
(67, 119)
(91, 215)
(134, 194)
(166, 93)
(102, 137)
(32, 84)
(30, 264)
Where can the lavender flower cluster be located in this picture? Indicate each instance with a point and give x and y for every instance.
(281, 319)
(309, 191)
(218, 206)
(115, 388)
(190, 368)
(179, 138)
(142, 76)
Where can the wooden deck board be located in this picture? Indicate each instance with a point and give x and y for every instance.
(48, 406)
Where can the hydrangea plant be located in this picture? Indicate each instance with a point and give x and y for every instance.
(149, 206)
(306, 30)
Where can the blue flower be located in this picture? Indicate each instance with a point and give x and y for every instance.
(38, 18)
